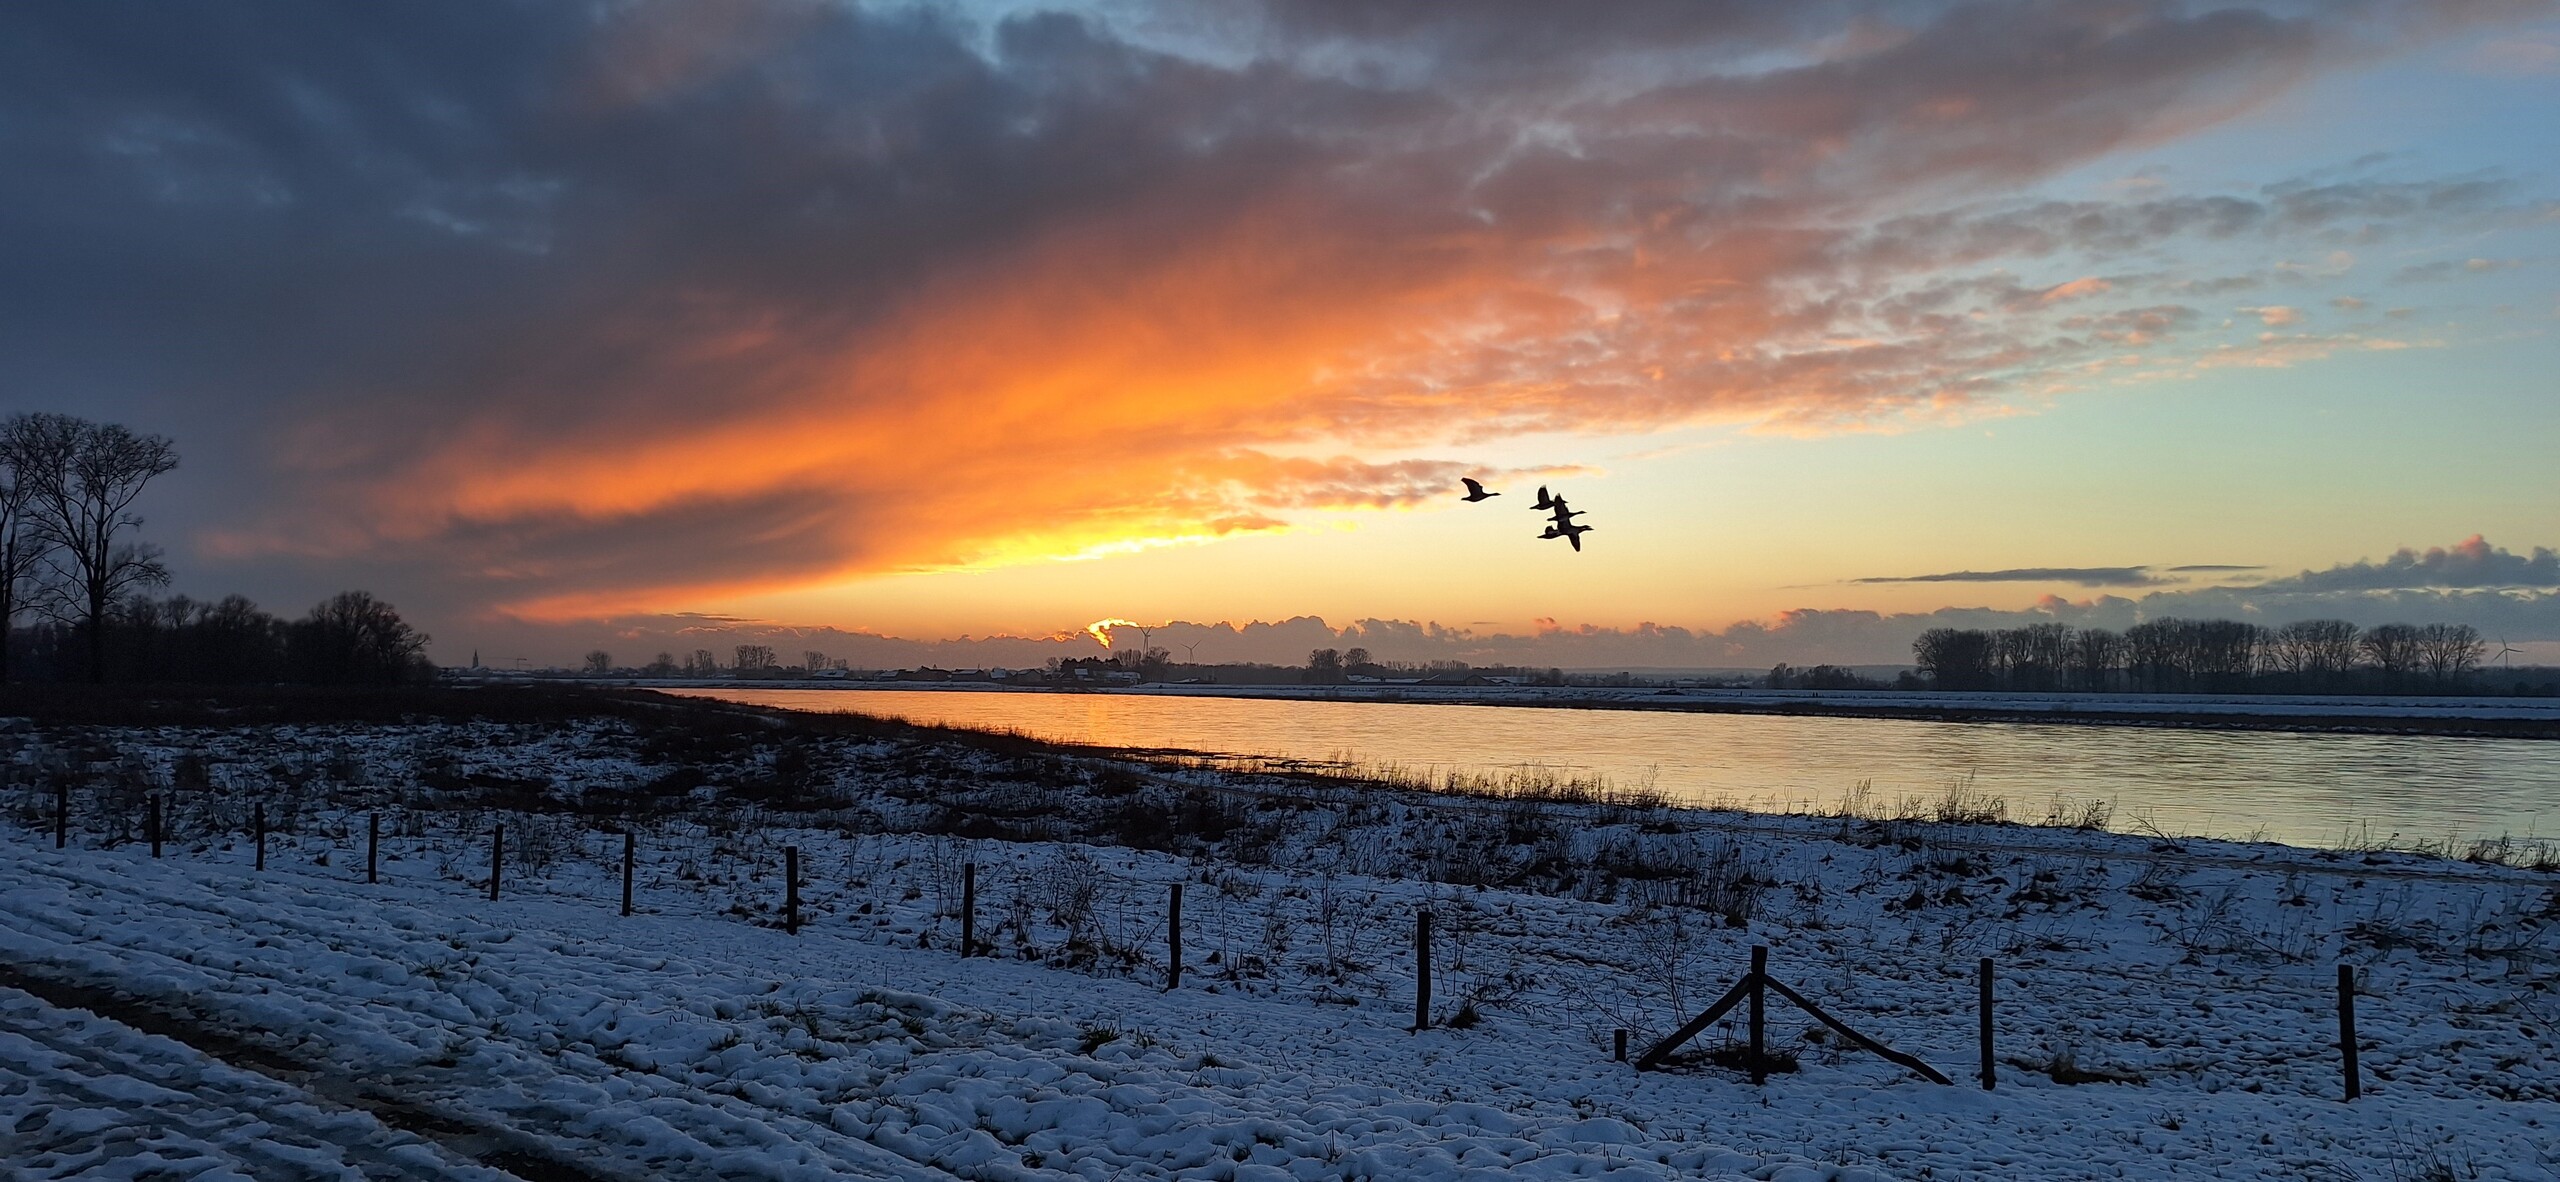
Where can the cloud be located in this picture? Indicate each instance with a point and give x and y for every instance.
(2276, 315)
(2213, 568)
(2450, 269)
(2085, 576)
(562, 312)
(2091, 285)
(2471, 562)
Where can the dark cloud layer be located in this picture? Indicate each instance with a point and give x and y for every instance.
(2471, 562)
(571, 311)
(2084, 576)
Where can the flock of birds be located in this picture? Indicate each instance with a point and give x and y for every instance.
(1559, 515)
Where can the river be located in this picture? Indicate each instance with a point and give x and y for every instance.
(2304, 789)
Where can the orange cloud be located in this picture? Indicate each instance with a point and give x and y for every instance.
(791, 295)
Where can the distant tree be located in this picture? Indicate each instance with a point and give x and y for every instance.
(1954, 658)
(599, 663)
(2449, 653)
(1324, 666)
(354, 638)
(2332, 649)
(2032, 657)
(701, 664)
(2392, 650)
(87, 477)
(663, 666)
(2154, 654)
(2095, 656)
(2223, 653)
(813, 660)
(754, 658)
(1357, 661)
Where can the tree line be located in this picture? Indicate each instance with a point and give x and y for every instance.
(2203, 656)
(71, 560)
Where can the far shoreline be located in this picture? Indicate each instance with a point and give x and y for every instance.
(2447, 717)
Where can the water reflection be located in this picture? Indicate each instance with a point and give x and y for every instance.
(2303, 788)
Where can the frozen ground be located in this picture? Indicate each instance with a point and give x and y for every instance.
(2166, 1008)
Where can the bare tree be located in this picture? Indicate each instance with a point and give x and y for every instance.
(354, 637)
(702, 664)
(599, 663)
(88, 477)
(813, 660)
(2449, 652)
(2393, 651)
(23, 546)
(2095, 655)
(1324, 666)
(1954, 658)
(2317, 654)
(754, 657)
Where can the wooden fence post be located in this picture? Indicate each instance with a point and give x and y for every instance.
(1173, 939)
(969, 909)
(2347, 1028)
(629, 844)
(258, 821)
(1759, 1017)
(1422, 970)
(373, 847)
(61, 814)
(155, 826)
(1990, 1075)
(497, 857)
(791, 889)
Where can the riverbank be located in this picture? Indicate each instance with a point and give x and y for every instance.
(2378, 714)
(2165, 1008)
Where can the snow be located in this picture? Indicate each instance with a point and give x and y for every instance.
(697, 1039)
(84, 1097)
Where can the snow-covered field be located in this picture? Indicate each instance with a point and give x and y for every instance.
(2166, 1007)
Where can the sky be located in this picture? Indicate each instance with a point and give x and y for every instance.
(905, 332)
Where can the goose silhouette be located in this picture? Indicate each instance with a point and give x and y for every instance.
(1570, 533)
(1475, 491)
(1545, 502)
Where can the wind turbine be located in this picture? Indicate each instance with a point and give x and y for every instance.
(2505, 651)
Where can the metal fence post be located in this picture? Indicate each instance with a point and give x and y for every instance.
(1422, 970)
(791, 889)
(1990, 1076)
(1759, 1017)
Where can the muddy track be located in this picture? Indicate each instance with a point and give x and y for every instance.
(498, 1149)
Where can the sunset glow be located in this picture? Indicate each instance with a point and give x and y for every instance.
(877, 321)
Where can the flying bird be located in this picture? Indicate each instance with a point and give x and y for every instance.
(1563, 513)
(1475, 491)
(1570, 533)
(1545, 502)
